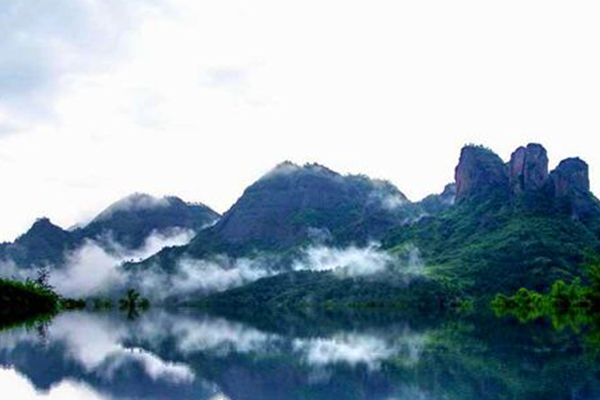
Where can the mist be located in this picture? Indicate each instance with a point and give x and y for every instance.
(203, 276)
(94, 268)
(97, 344)
(17, 385)
(349, 261)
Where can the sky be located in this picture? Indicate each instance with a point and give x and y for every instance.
(103, 98)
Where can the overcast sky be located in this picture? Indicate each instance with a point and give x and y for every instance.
(102, 98)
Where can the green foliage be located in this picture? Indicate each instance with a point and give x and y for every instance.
(498, 245)
(32, 299)
(101, 304)
(21, 301)
(311, 290)
(573, 305)
(133, 303)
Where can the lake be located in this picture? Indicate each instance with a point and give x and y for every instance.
(176, 355)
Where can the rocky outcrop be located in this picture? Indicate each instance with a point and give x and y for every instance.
(571, 178)
(571, 188)
(528, 169)
(480, 171)
(482, 174)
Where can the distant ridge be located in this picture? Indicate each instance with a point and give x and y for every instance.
(127, 223)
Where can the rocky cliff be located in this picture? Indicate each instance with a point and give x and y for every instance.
(570, 185)
(480, 171)
(482, 174)
(528, 168)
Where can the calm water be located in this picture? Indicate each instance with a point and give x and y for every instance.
(179, 355)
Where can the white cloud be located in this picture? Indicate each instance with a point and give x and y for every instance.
(221, 272)
(97, 344)
(207, 275)
(16, 386)
(349, 261)
(349, 349)
(117, 96)
(215, 335)
(92, 269)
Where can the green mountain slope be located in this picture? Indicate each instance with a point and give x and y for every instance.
(508, 231)
(512, 225)
(293, 206)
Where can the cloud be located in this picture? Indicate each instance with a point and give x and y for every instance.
(221, 272)
(192, 276)
(96, 343)
(43, 44)
(195, 334)
(222, 338)
(226, 77)
(154, 366)
(92, 269)
(8, 269)
(361, 348)
(134, 202)
(349, 261)
(350, 349)
(16, 386)
(95, 268)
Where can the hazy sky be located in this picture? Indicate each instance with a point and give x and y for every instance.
(101, 98)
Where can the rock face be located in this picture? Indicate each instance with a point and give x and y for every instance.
(482, 173)
(479, 172)
(289, 204)
(571, 188)
(570, 178)
(528, 168)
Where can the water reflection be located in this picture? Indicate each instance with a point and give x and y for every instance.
(183, 355)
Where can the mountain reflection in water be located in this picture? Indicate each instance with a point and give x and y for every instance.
(183, 355)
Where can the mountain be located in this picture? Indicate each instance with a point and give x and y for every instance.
(126, 224)
(501, 226)
(436, 203)
(44, 243)
(514, 224)
(130, 221)
(294, 205)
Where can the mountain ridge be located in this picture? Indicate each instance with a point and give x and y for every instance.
(46, 244)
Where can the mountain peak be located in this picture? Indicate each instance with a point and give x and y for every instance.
(479, 171)
(281, 209)
(571, 175)
(133, 202)
(134, 218)
(42, 227)
(528, 168)
(288, 168)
